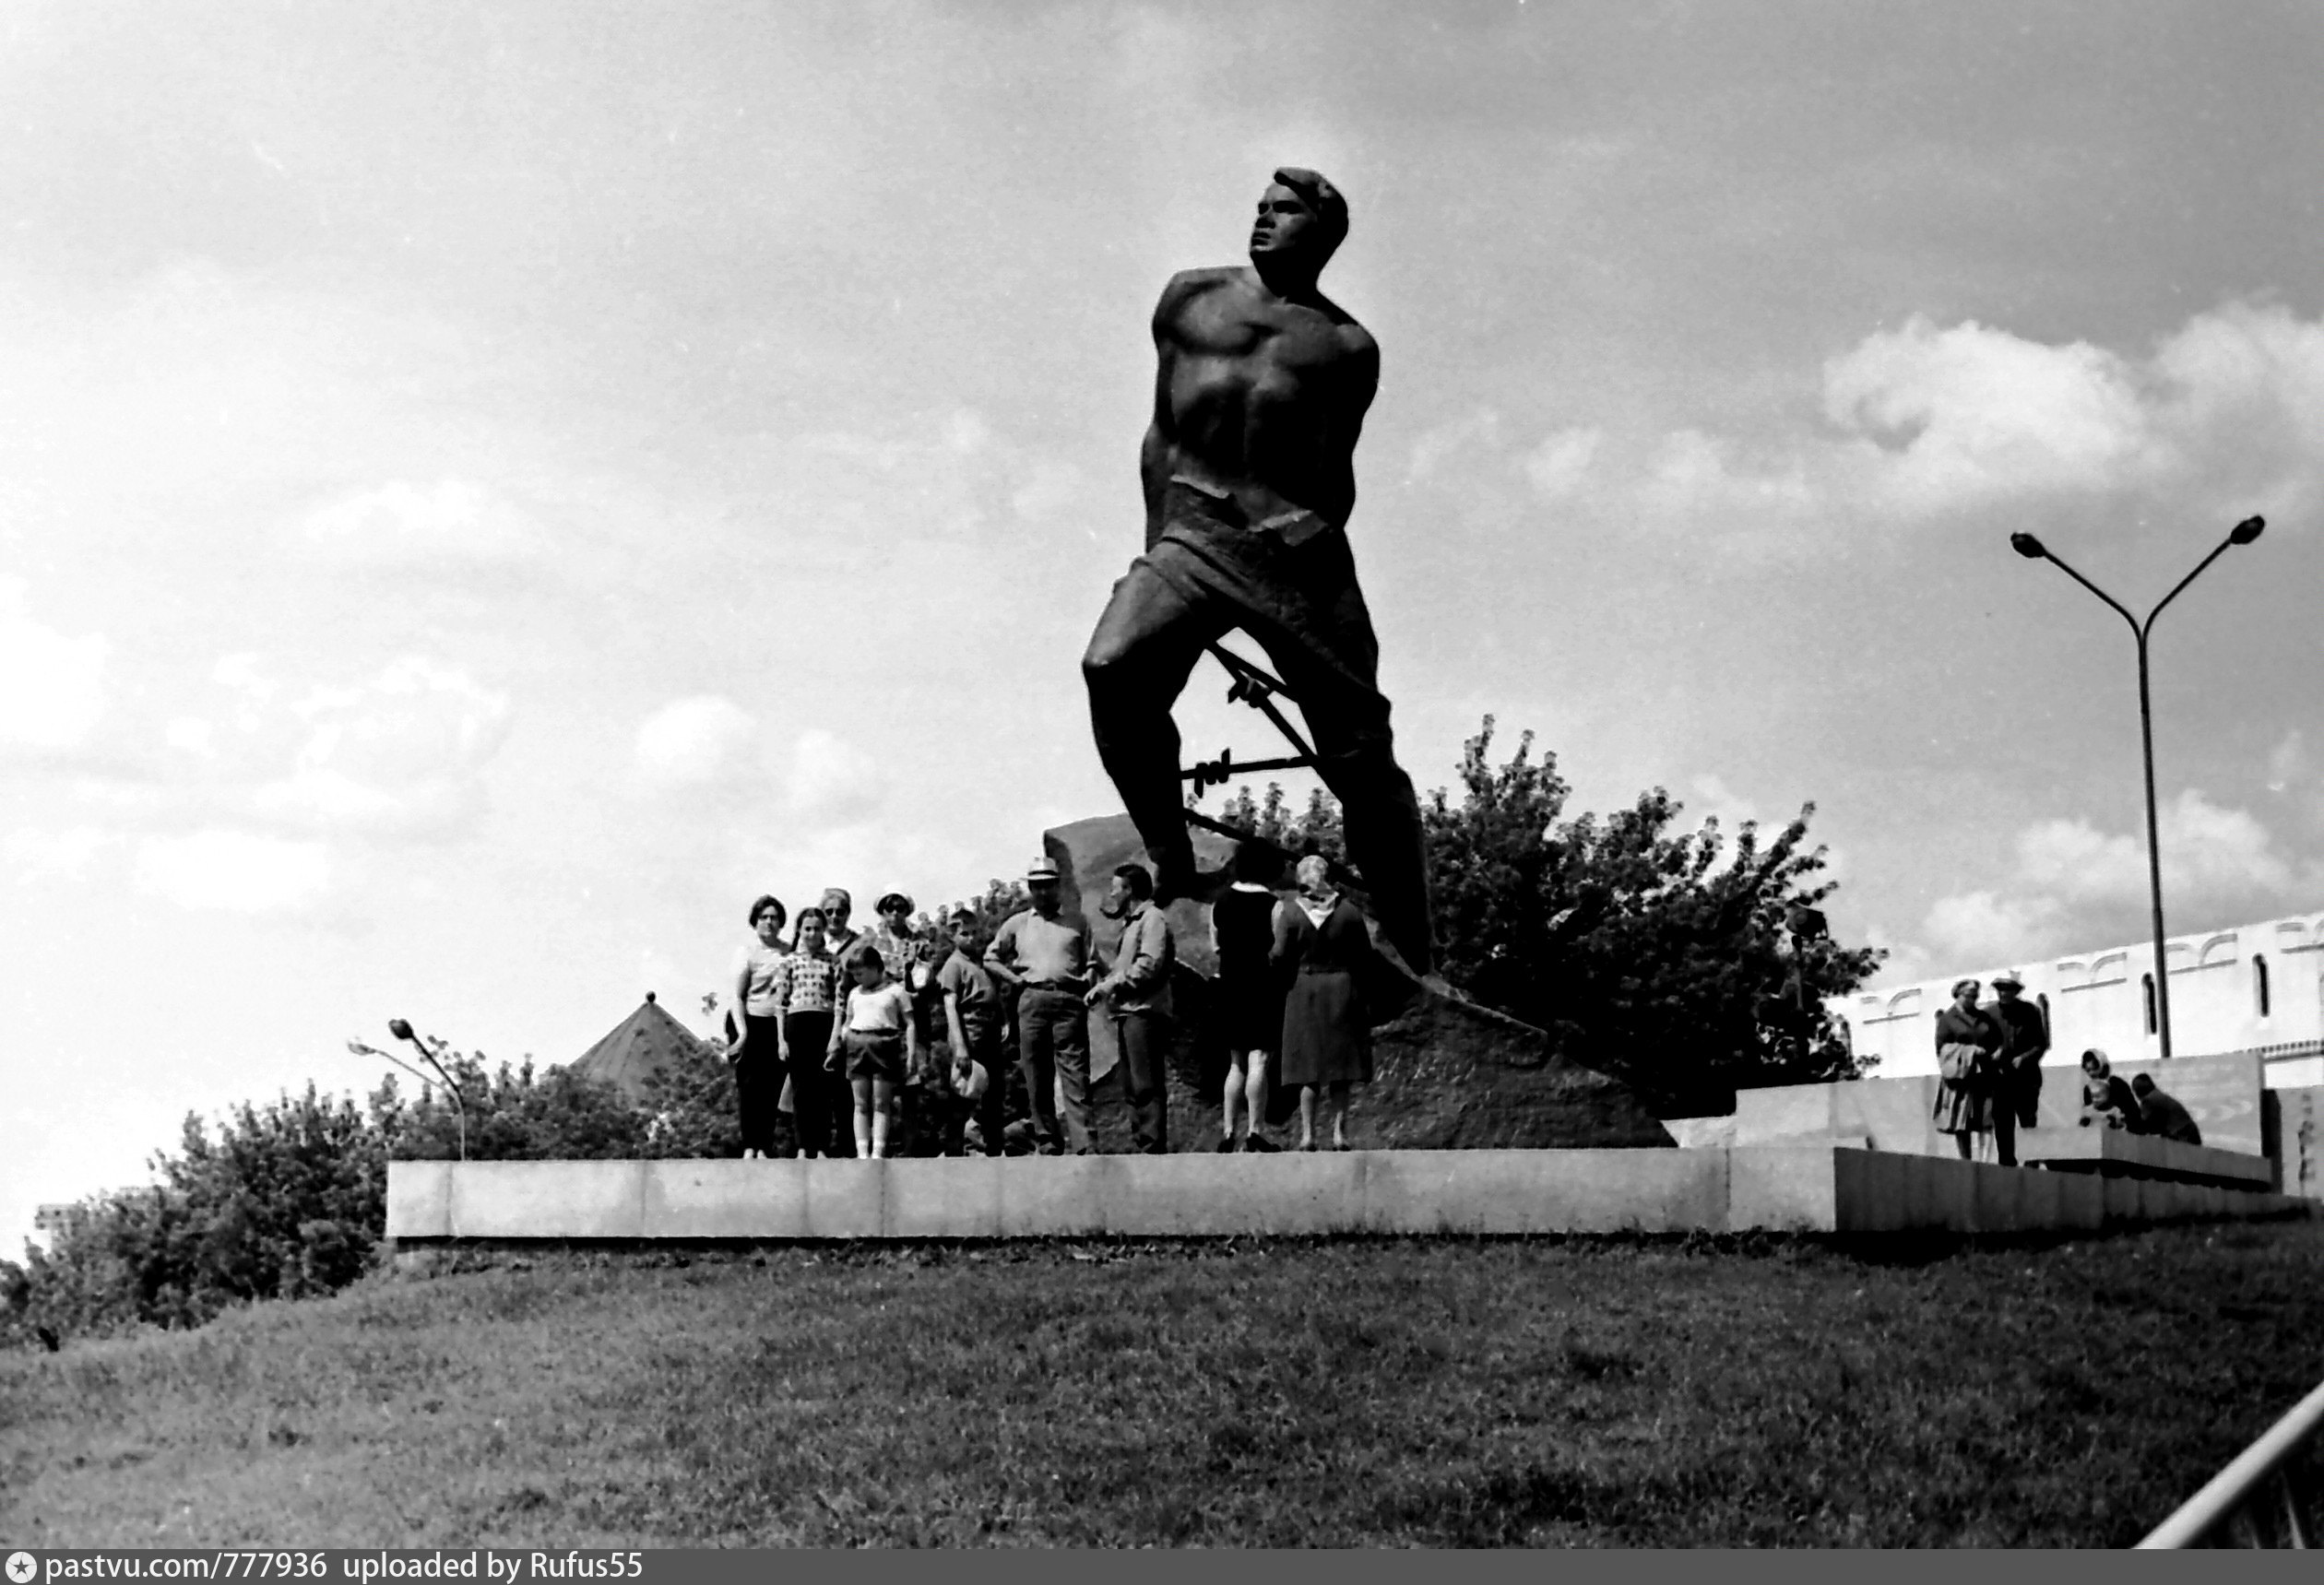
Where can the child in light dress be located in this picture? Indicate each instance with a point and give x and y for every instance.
(875, 1039)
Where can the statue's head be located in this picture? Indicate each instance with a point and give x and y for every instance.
(1302, 218)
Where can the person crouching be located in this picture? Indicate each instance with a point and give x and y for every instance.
(874, 1035)
(2107, 1100)
(2163, 1115)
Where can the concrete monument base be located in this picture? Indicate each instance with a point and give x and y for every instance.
(1813, 1188)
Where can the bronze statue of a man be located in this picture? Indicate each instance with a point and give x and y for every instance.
(1248, 469)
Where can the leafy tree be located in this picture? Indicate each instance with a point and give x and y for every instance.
(1660, 954)
(999, 900)
(1315, 829)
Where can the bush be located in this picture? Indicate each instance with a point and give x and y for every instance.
(690, 1107)
(289, 1198)
(285, 1200)
(518, 1114)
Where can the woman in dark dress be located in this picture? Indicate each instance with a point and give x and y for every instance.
(1323, 943)
(1965, 1103)
(1249, 989)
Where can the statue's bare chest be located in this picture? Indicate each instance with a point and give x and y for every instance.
(1265, 343)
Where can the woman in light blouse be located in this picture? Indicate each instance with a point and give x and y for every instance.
(757, 1049)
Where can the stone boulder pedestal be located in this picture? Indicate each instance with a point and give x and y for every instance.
(1447, 1074)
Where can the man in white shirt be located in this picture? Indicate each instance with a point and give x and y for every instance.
(1049, 960)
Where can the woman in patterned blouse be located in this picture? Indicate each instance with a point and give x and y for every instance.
(803, 988)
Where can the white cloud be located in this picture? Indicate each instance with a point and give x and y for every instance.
(2294, 776)
(2227, 411)
(2208, 852)
(1926, 423)
(35, 854)
(1560, 465)
(190, 734)
(949, 476)
(2074, 882)
(832, 780)
(722, 759)
(243, 671)
(232, 872)
(691, 742)
(1053, 489)
(2214, 851)
(1694, 476)
(52, 687)
(1474, 431)
(1968, 414)
(1907, 960)
(1714, 799)
(1987, 926)
(2072, 859)
(400, 754)
(2288, 762)
(965, 432)
(402, 524)
(394, 757)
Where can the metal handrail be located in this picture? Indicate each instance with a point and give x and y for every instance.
(2233, 1503)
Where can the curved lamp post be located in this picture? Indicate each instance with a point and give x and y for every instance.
(402, 1031)
(2032, 549)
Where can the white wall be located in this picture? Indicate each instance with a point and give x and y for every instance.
(2099, 998)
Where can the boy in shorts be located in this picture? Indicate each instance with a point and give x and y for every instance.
(973, 1015)
(874, 1037)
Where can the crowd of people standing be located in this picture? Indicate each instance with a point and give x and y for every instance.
(898, 1039)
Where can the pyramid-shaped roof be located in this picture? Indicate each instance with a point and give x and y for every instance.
(647, 1042)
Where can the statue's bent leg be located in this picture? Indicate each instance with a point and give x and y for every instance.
(1138, 661)
(1324, 651)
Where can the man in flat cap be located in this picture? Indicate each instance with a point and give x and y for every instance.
(1046, 959)
(1248, 469)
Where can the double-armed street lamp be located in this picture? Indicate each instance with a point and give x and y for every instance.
(402, 1031)
(2242, 533)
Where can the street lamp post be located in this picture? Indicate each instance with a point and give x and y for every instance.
(403, 1031)
(2242, 533)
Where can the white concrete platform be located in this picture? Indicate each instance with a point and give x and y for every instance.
(1810, 1188)
(2116, 1152)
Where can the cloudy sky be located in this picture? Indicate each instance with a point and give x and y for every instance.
(487, 489)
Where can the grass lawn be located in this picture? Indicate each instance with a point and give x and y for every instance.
(1591, 1391)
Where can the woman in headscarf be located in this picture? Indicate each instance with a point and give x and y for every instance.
(2107, 1098)
(1968, 1054)
(1324, 944)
